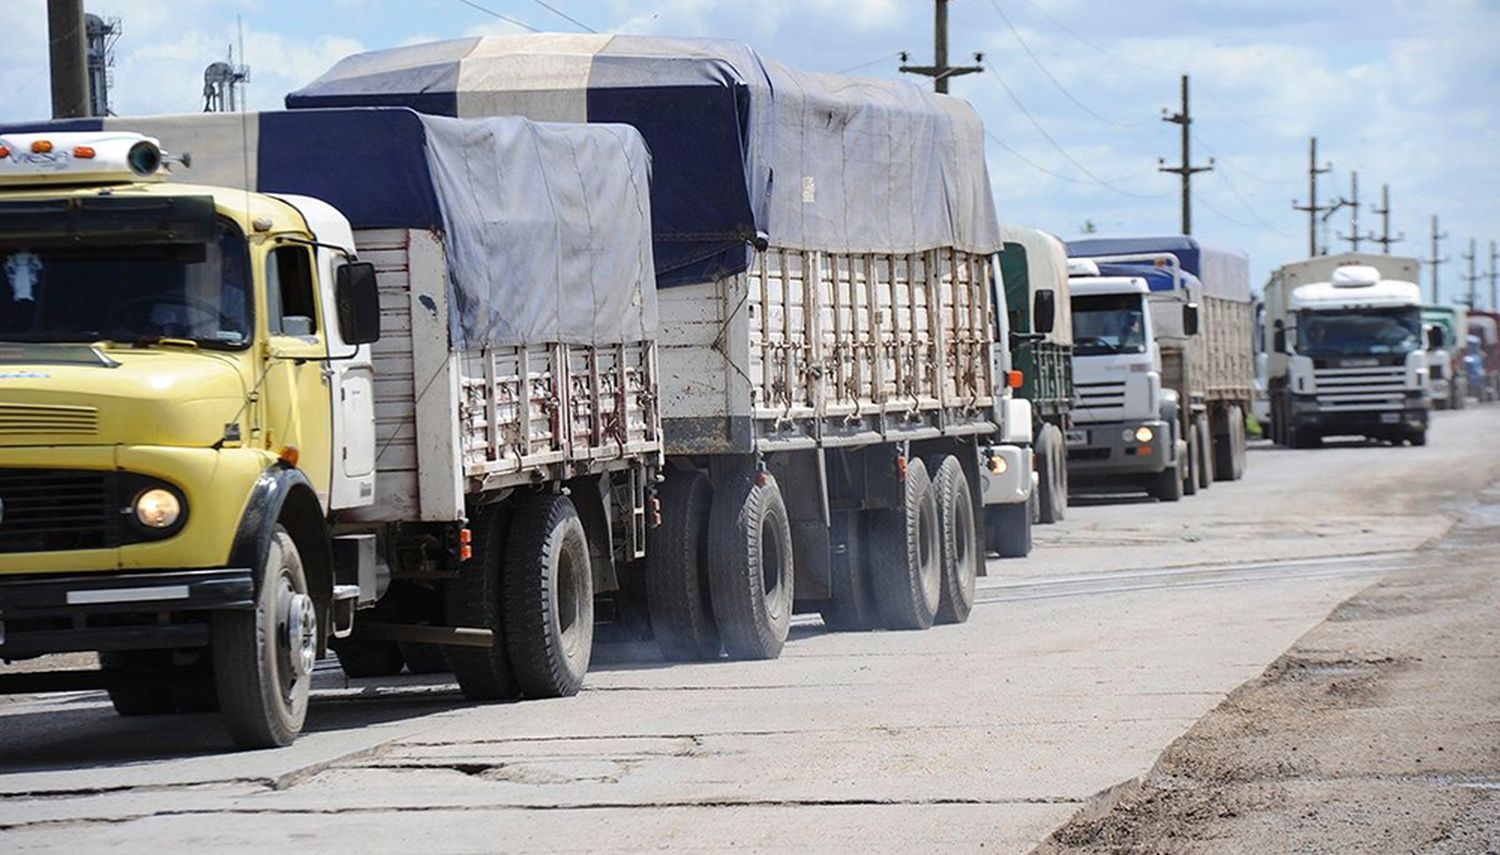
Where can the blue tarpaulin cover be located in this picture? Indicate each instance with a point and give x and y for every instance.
(1224, 272)
(546, 226)
(743, 148)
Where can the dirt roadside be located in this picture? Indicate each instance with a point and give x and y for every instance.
(1379, 731)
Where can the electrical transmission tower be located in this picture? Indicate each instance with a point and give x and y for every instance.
(940, 71)
(1385, 240)
(1354, 237)
(1435, 261)
(1494, 278)
(1187, 170)
(1473, 275)
(101, 35)
(1312, 207)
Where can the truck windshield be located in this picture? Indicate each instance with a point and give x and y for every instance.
(1362, 332)
(1108, 323)
(127, 294)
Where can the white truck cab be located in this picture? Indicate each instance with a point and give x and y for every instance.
(1125, 424)
(1346, 351)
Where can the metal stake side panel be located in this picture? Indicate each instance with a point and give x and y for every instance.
(450, 424)
(811, 348)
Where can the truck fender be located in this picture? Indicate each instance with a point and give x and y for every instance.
(283, 494)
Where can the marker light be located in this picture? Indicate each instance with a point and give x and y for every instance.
(1144, 434)
(1015, 379)
(289, 456)
(157, 508)
(4, 152)
(83, 152)
(41, 146)
(998, 465)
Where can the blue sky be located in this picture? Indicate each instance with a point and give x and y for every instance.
(1406, 92)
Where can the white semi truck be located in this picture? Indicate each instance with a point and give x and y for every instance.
(1162, 364)
(834, 369)
(1346, 350)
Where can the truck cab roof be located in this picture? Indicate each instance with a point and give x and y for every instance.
(1082, 286)
(1382, 294)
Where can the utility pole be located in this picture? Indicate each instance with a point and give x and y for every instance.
(1434, 260)
(1473, 278)
(1186, 170)
(1354, 237)
(67, 47)
(1494, 279)
(1385, 240)
(940, 70)
(1312, 207)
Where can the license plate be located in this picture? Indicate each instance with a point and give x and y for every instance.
(1389, 418)
(1078, 437)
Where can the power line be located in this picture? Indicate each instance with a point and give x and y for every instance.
(1094, 46)
(1050, 76)
(1244, 203)
(564, 15)
(1057, 145)
(1199, 198)
(862, 66)
(508, 19)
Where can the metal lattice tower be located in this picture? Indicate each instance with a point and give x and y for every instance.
(101, 34)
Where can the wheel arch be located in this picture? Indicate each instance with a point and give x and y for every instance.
(283, 495)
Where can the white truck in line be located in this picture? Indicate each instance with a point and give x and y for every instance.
(1346, 350)
(835, 396)
(1162, 364)
(348, 390)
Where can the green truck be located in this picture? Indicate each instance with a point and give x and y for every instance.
(1032, 261)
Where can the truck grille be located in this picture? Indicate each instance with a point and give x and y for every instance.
(1379, 387)
(46, 510)
(17, 419)
(1094, 396)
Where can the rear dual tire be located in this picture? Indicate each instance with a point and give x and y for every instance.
(906, 559)
(750, 573)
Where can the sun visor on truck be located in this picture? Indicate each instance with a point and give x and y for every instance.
(743, 148)
(546, 227)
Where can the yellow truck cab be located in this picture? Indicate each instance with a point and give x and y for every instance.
(191, 480)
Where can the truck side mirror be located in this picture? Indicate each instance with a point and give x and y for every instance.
(1043, 311)
(1190, 319)
(1278, 338)
(1435, 338)
(358, 303)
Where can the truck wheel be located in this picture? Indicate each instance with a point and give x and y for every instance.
(1229, 447)
(263, 657)
(751, 577)
(959, 542)
(1169, 484)
(1418, 438)
(1205, 452)
(1052, 474)
(682, 611)
(1009, 529)
(473, 600)
(906, 561)
(852, 608)
(548, 598)
(369, 658)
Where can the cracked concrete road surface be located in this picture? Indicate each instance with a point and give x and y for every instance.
(1131, 623)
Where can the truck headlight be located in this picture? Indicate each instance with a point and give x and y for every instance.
(158, 508)
(1144, 434)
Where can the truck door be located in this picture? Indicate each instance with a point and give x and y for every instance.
(352, 394)
(297, 403)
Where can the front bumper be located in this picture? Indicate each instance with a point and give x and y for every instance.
(1013, 484)
(117, 611)
(1105, 451)
(1413, 418)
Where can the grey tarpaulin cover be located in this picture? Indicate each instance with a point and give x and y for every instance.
(547, 227)
(741, 145)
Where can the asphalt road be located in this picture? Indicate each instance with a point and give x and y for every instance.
(1130, 622)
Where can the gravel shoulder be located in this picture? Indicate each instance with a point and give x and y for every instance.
(1379, 731)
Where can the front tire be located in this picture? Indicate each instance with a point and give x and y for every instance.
(751, 574)
(263, 657)
(1169, 484)
(548, 598)
(1009, 529)
(1052, 469)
